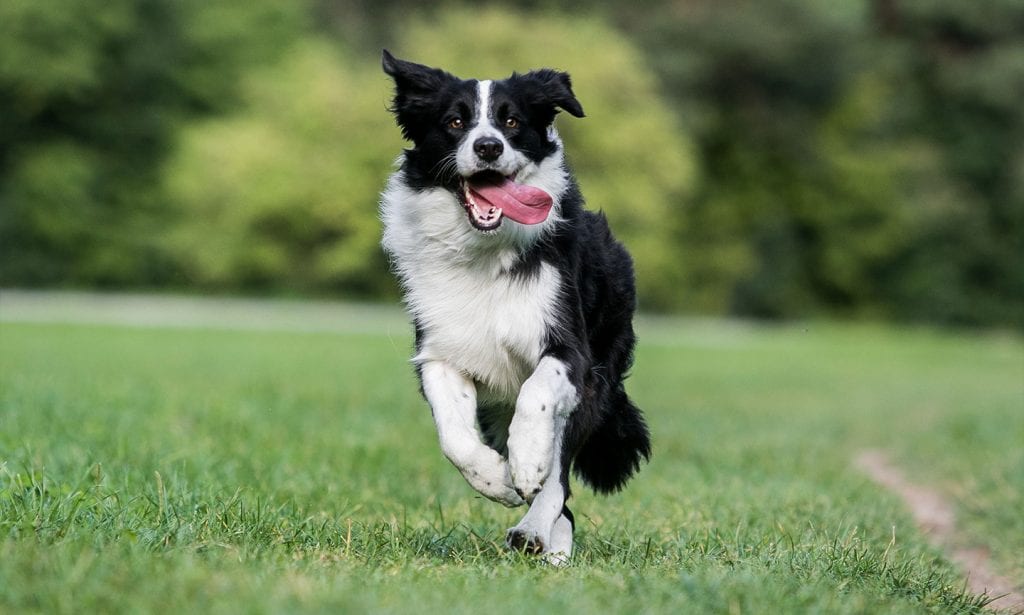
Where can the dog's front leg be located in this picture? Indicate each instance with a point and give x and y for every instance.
(547, 528)
(546, 399)
(452, 399)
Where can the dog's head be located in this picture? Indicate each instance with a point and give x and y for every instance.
(488, 142)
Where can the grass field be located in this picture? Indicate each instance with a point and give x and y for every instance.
(191, 469)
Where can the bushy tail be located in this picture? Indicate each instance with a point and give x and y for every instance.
(613, 452)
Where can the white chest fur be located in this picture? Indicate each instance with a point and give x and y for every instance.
(482, 320)
(492, 328)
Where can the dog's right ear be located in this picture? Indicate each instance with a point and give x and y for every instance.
(416, 88)
(412, 76)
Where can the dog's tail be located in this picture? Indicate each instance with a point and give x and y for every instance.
(613, 452)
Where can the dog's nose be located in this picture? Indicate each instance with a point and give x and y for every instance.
(488, 148)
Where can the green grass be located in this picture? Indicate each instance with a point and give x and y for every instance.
(191, 470)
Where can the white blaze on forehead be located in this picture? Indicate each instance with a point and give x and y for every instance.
(483, 94)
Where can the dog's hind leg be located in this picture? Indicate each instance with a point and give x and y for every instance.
(452, 398)
(560, 550)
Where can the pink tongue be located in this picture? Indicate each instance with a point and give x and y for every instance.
(524, 204)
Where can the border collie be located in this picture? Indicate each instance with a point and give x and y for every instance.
(522, 301)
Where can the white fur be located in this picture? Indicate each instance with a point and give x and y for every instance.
(558, 550)
(545, 401)
(494, 332)
(452, 399)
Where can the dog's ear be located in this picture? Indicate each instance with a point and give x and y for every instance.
(412, 77)
(416, 88)
(554, 88)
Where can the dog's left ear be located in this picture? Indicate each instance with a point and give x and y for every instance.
(555, 88)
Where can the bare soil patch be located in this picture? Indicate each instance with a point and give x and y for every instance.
(936, 517)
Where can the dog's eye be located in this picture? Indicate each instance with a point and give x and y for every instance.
(455, 123)
(511, 122)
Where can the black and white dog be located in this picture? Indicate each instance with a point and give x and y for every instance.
(522, 301)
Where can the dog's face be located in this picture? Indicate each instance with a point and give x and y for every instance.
(485, 141)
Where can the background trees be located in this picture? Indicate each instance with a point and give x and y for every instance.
(780, 158)
(91, 98)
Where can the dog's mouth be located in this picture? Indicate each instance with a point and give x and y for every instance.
(490, 196)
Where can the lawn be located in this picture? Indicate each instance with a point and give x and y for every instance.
(225, 470)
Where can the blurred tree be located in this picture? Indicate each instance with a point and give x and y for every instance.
(757, 81)
(962, 88)
(846, 173)
(282, 194)
(861, 158)
(90, 95)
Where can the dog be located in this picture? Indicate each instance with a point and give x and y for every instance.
(521, 300)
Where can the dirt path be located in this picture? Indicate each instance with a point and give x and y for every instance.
(937, 519)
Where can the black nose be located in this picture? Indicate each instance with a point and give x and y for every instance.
(488, 148)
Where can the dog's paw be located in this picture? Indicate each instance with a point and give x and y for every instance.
(505, 495)
(524, 541)
(488, 473)
(554, 550)
(530, 453)
(559, 548)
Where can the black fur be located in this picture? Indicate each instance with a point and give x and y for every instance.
(607, 438)
(607, 435)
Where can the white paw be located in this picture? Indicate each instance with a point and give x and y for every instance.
(488, 473)
(555, 547)
(559, 548)
(531, 444)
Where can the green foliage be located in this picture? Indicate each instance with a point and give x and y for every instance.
(90, 97)
(876, 182)
(964, 68)
(780, 159)
(282, 193)
(791, 204)
(56, 50)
